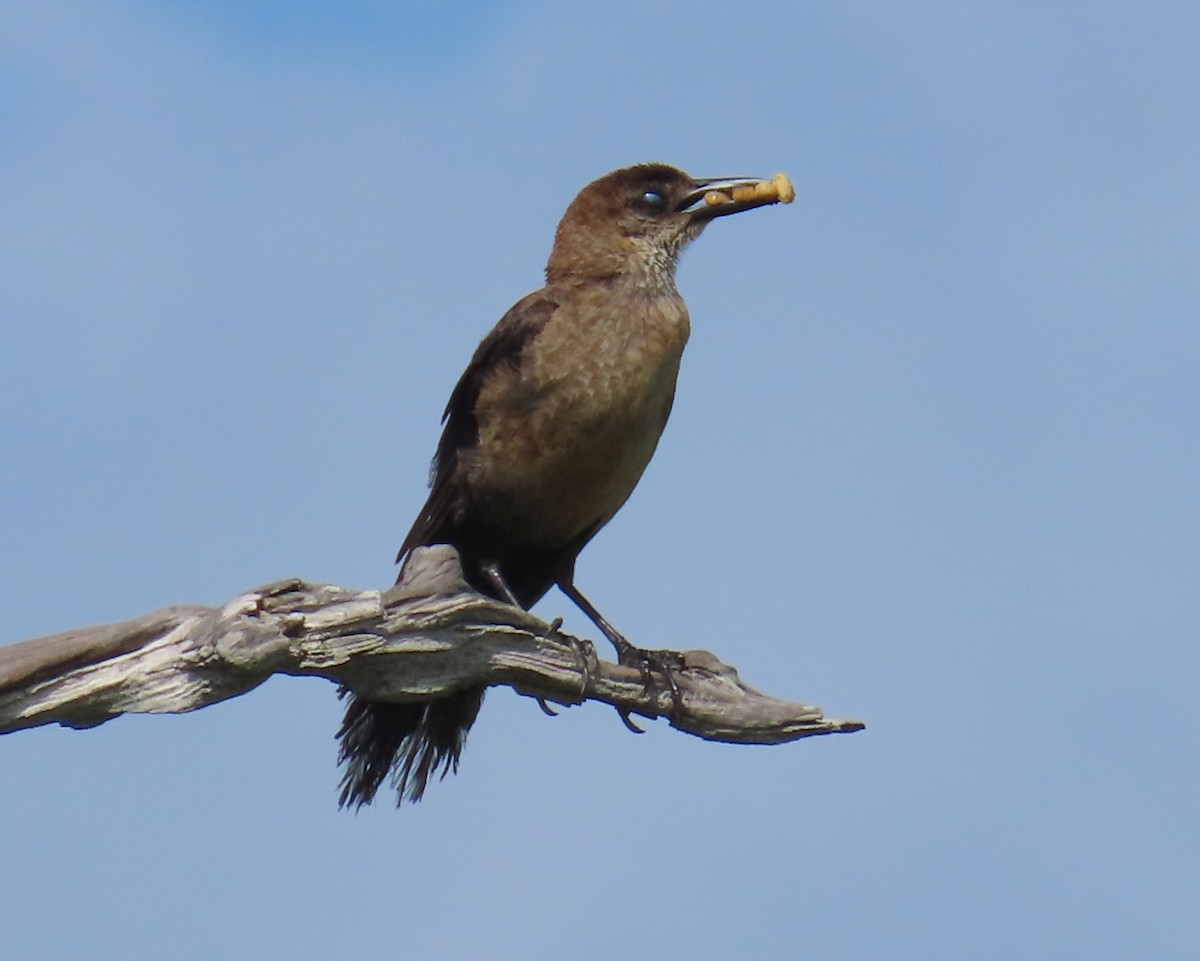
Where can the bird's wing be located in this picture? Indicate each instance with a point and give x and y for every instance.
(502, 346)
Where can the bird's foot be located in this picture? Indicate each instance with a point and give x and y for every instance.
(665, 662)
(587, 653)
(647, 662)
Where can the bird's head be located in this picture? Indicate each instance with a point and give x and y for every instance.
(636, 221)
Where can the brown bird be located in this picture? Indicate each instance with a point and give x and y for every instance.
(548, 431)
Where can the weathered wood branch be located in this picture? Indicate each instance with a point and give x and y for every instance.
(429, 636)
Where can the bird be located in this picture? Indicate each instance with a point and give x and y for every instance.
(547, 433)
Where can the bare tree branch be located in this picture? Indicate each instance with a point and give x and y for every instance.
(429, 636)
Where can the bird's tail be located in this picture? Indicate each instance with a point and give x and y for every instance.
(410, 742)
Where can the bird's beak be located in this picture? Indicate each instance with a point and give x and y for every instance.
(731, 195)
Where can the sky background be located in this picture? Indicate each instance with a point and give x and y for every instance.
(934, 463)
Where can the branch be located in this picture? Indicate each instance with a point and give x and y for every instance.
(429, 636)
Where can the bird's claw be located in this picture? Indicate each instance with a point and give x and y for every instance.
(665, 663)
(586, 652)
(584, 648)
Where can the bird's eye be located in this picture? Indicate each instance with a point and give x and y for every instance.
(650, 202)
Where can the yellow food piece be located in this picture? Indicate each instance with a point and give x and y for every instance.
(778, 189)
(783, 187)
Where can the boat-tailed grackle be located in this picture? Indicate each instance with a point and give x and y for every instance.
(548, 431)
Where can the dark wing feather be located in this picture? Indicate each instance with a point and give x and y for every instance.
(413, 742)
(502, 346)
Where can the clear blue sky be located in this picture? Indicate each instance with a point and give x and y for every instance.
(934, 463)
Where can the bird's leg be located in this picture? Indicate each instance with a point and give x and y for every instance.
(491, 571)
(665, 662)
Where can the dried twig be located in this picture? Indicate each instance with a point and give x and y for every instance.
(429, 636)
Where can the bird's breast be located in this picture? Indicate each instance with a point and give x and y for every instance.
(565, 435)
